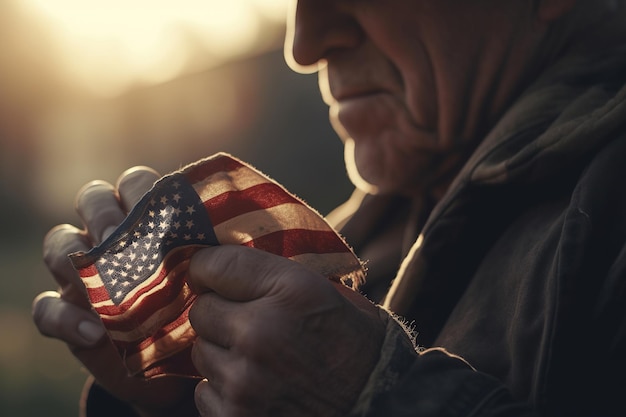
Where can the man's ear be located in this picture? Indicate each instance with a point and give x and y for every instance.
(548, 10)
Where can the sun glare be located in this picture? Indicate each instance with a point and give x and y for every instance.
(106, 46)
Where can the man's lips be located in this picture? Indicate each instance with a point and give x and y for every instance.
(363, 111)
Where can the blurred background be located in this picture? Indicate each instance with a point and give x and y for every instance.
(90, 88)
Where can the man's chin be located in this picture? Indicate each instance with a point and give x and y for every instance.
(353, 172)
(369, 180)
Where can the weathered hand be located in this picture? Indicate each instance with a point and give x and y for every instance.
(67, 314)
(276, 339)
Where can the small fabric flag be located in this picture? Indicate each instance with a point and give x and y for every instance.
(136, 279)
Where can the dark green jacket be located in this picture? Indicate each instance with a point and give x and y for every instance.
(520, 269)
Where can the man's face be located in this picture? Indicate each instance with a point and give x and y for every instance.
(413, 85)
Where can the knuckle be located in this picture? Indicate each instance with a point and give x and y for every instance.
(134, 183)
(91, 189)
(199, 310)
(55, 260)
(99, 207)
(98, 198)
(59, 229)
(252, 343)
(201, 269)
(139, 170)
(246, 340)
(227, 265)
(58, 243)
(56, 236)
(137, 176)
(42, 314)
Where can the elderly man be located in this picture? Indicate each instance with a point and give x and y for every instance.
(486, 139)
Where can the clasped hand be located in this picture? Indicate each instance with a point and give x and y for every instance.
(274, 338)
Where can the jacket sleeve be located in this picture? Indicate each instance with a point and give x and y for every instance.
(96, 402)
(432, 382)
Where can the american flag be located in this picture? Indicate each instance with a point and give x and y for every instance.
(136, 279)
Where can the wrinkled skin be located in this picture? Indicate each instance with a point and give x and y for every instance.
(274, 338)
(277, 339)
(413, 86)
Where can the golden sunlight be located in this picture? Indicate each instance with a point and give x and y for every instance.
(106, 46)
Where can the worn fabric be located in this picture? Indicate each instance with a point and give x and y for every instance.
(136, 280)
(520, 269)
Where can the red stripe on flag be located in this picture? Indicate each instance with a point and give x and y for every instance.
(220, 164)
(131, 348)
(88, 271)
(234, 203)
(98, 294)
(149, 304)
(294, 242)
(178, 364)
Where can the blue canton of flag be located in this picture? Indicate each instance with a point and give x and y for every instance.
(174, 216)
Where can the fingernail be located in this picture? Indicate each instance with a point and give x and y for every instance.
(90, 331)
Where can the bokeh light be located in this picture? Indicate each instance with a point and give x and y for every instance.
(107, 46)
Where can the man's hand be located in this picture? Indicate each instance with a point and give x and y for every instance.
(67, 314)
(276, 339)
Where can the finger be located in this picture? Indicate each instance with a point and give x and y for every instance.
(133, 184)
(55, 317)
(240, 273)
(216, 319)
(212, 362)
(231, 387)
(98, 206)
(208, 401)
(57, 244)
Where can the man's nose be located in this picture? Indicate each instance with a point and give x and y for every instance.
(317, 28)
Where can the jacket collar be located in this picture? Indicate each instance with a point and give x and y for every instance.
(572, 110)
